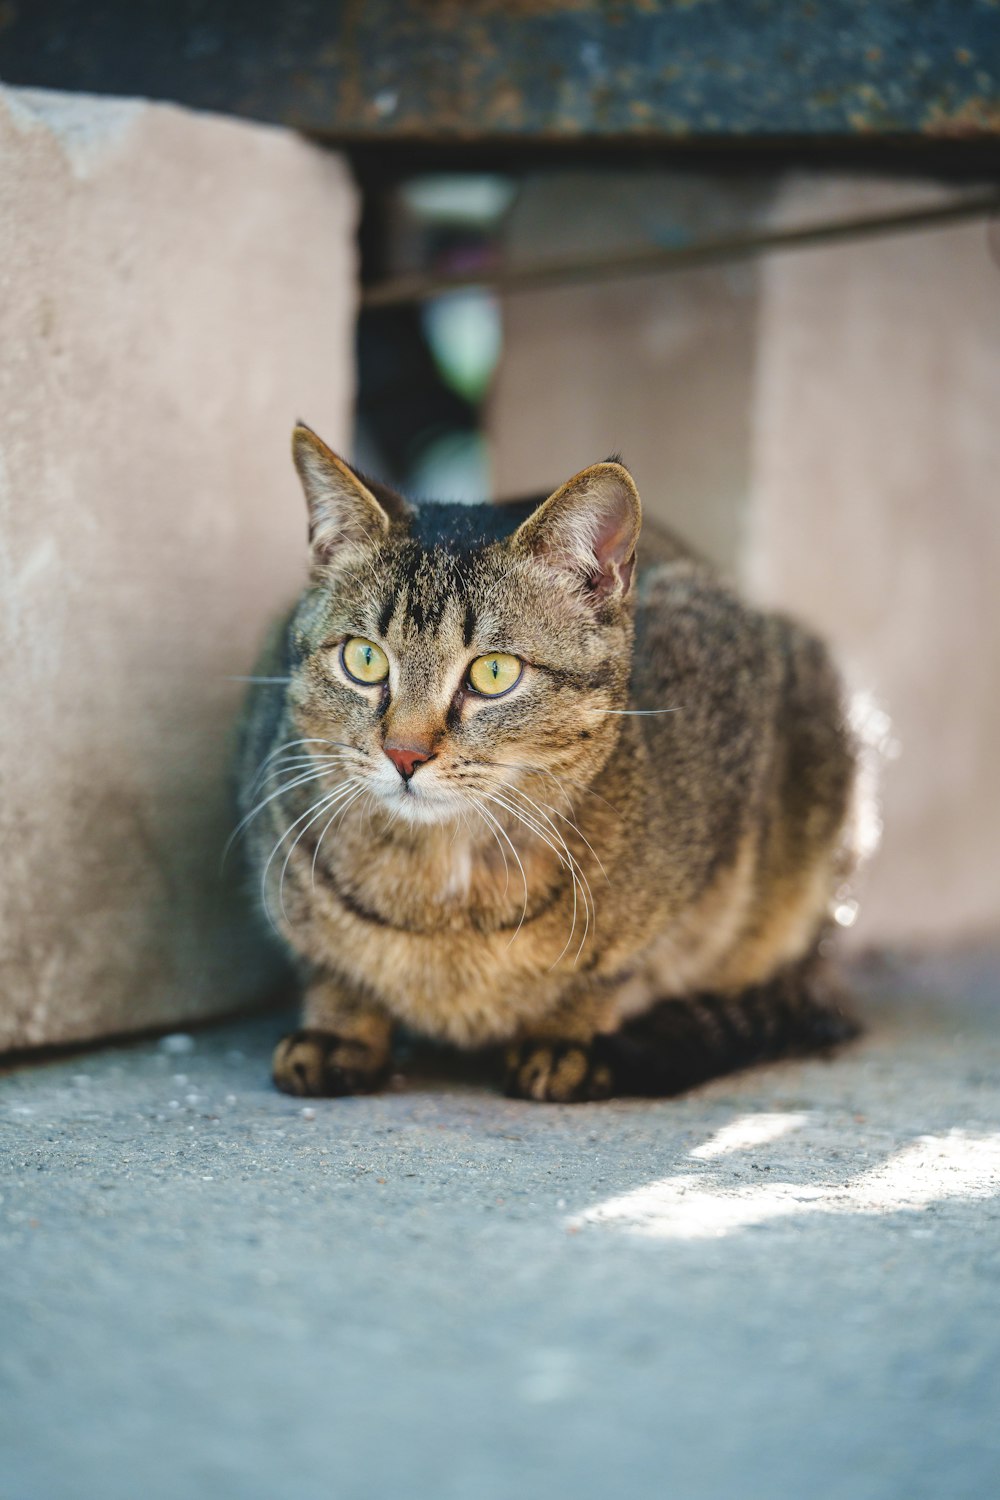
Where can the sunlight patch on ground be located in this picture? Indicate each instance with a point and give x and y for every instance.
(694, 1206)
(749, 1130)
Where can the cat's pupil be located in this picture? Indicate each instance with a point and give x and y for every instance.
(368, 655)
(495, 669)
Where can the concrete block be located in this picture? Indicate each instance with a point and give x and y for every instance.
(174, 290)
(873, 513)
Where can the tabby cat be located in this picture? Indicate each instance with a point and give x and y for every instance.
(500, 785)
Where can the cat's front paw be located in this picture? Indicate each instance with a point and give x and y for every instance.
(323, 1064)
(556, 1072)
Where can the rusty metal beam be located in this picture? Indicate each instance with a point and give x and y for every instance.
(630, 71)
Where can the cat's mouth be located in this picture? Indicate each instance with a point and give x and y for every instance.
(418, 798)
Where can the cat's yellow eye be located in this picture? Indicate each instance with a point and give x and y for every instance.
(495, 673)
(364, 661)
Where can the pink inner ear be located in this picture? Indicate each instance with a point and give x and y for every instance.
(588, 529)
(614, 548)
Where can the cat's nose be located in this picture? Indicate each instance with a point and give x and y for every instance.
(406, 758)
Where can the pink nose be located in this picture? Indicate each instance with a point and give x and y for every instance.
(406, 758)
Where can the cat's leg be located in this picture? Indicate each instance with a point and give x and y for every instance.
(557, 1063)
(343, 1047)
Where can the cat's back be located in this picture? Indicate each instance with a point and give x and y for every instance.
(694, 631)
(745, 715)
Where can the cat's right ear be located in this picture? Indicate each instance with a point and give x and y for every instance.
(343, 511)
(588, 530)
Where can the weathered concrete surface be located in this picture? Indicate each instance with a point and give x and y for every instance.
(174, 290)
(207, 1290)
(872, 513)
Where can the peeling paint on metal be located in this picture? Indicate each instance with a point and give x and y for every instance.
(558, 69)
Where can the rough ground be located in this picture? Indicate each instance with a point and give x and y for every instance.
(784, 1285)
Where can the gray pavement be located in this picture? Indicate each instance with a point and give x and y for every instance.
(784, 1285)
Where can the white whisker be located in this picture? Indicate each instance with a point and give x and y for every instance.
(338, 811)
(300, 780)
(575, 868)
(328, 799)
(567, 860)
(324, 800)
(581, 786)
(292, 744)
(567, 863)
(519, 791)
(495, 822)
(503, 854)
(333, 799)
(280, 767)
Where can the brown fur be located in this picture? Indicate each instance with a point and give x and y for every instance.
(558, 868)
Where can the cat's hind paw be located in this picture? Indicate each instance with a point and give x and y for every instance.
(323, 1064)
(556, 1072)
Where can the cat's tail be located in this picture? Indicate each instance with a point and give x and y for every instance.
(680, 1043)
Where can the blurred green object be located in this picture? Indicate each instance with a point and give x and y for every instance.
(454, 467)
(464, 334)
(464, 199)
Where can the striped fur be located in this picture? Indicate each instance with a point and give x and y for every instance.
(620, 869)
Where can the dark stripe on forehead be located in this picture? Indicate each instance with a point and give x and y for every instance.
(408, 571)
(469, 624)
(388, 610)
(415, 609)
(431, 580)
(436, 601)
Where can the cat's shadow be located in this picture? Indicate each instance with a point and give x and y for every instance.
(421, 1066)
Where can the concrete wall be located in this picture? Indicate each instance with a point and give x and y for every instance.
(874, 511)
(659, 370)
(825, 424)
(174, 290)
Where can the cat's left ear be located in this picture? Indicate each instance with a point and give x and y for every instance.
(588, 530)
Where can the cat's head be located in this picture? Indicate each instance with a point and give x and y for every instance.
(449, 653)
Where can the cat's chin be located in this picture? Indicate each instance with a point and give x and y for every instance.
(423, 808)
